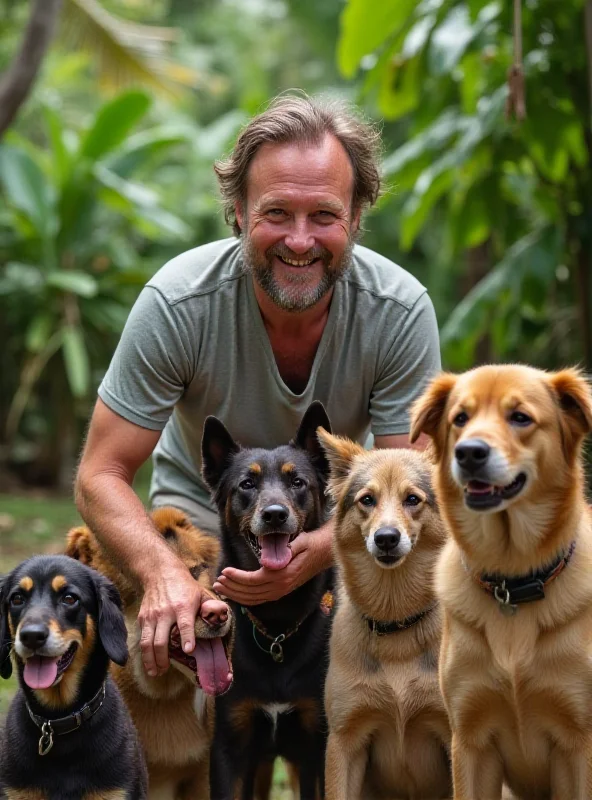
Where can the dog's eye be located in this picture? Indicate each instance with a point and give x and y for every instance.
(461, 419)
(367, 500)
(520, 418)
(297, 483)
(246, 484)
(17, 599)
(70, 600)
(412, 500)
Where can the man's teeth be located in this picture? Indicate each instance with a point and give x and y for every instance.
(297, 263)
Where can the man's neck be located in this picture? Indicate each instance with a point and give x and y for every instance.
(292, 323)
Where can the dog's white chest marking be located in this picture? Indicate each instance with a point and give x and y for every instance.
(273, 710)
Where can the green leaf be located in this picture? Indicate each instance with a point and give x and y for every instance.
(76, 360)
(113, 123)
(400, 89)
(366, 26)
(39, 332)
(28, 189)
(61, 159)
(79, 283)
(17, 277)
(142, 148)
(439, 133)
(452, 37)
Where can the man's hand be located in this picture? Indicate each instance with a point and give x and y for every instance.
(172, 596)
(311, 553)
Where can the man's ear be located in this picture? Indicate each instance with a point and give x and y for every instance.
(217, 449)
(112, 630)
(5, 637)
(315, 417)
(573, 395)
(340, 453)
(240, 217)
(428, 409)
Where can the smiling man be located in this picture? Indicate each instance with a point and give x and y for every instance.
(252, 329)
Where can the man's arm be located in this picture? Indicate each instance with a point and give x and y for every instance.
(114, 451)
(402, 440)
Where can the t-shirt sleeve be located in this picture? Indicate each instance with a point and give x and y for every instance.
(412, 359)
(150, 367)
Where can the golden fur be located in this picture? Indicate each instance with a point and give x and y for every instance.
(388, 731)
(518, 688)
(173, 717)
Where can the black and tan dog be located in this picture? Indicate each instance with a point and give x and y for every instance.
(174, 713)
(266, 498)
(68, 734)
(388, 730)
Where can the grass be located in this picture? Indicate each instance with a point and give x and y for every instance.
(38, 523)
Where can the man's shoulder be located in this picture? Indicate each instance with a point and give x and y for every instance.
(199, 271)
(383, 279)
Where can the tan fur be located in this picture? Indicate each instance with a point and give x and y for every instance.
(24, 794)
(518, 689)
(26, 583)
(58, 583)
(388, 731)
(174, 719)
(108, 794)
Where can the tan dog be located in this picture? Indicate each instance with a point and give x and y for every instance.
(515, 581)
(388, 730)
(173, 713)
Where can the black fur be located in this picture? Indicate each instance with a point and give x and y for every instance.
(245, 735)
(104, 753)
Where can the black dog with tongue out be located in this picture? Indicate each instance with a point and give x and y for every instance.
(68, 734)
(266, 498)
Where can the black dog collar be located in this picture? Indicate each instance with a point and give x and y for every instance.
(67, 724)
(383, 628)
(509, 592)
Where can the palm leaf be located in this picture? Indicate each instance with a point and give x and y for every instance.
(127, 53)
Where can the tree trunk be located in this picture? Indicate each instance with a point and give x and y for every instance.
(17, 81)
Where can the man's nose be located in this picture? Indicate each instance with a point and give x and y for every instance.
(300, 238)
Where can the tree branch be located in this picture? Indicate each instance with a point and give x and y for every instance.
(17, 81)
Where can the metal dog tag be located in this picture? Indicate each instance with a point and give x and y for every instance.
(502, 595)
(507, 609)
(276, 651)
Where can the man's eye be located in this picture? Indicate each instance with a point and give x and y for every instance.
(70, 600)
(327, 215)
(246, 484)
(461, 419)
(17, 599)
(297, 483)
(276, 212)
(367, 500)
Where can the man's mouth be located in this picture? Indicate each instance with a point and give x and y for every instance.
(272, 549)
(208, 661)
(298, 263)
(481, 496)
(41, 672)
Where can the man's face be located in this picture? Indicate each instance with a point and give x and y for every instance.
(297, 227)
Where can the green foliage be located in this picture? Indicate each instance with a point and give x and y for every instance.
(519, 192)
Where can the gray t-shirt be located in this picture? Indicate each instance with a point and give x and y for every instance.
(195, 344)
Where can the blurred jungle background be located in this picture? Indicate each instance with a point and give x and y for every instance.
(112, 112)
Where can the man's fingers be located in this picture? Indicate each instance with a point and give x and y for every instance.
(260, 577)
(161, 644)
(147, 648)
(186, 624)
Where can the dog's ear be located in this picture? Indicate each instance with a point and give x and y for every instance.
(5, 638)
(340, 453)
(112, 630)
(428, 409)
(574, 397)
(217, 447)
(79, 546)
(315, 417)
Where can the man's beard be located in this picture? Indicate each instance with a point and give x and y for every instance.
(296, 294)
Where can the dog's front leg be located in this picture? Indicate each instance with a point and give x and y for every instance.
(344, 771)
(477, 773)
(571, 774)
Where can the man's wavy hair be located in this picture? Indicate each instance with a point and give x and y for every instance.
(291, 119)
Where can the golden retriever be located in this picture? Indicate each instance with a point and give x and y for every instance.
(388, 730)
(515, 579)
(173, 713)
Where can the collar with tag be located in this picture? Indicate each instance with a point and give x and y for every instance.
(510, 591)
(68, 724)
(381, 628)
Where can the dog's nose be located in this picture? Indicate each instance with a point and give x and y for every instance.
(472, 453)
(387, 538)
(275, 514)
(34, 635)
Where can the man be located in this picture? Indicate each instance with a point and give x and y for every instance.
(252, 329)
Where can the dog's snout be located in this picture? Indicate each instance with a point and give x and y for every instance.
(472, 453)
(387, 538)
(34, 635)
(275, 514)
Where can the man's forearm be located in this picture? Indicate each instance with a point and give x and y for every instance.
(116, 515)
(325, 544)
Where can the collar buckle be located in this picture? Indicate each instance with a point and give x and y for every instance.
(46, 740)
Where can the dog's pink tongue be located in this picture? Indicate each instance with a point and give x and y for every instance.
(40, 672)
(275, 550)
(478, 487)
(213, 669)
